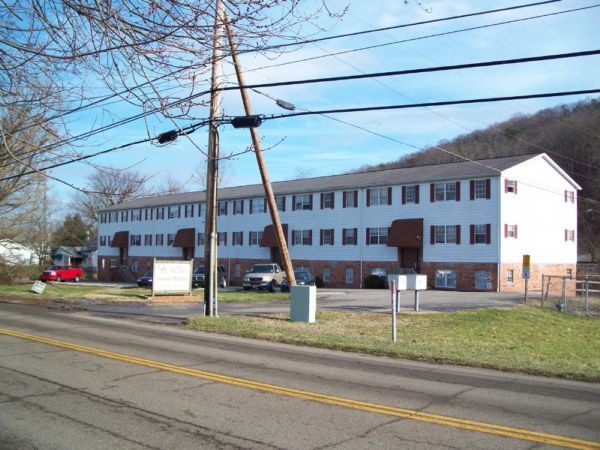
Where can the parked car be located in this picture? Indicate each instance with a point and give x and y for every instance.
(145, 280)
(62, 273)
(198, 277)
(263, 276)
(303, 278)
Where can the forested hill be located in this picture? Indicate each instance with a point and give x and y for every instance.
(569, 134)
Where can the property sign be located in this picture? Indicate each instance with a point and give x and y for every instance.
(526, 266)
(38, 287)
(172, 277)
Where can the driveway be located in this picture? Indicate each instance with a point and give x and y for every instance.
(327, 300)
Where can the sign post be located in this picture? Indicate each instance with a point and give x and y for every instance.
(526, 273)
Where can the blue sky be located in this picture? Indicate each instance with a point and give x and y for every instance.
(317, 146)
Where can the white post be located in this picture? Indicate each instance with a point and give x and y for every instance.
(394, 303)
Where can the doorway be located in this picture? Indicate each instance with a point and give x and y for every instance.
(276, 256)
(123, 256)
(187, 253)
(409, 258)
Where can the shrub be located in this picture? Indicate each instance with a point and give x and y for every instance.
(374, 282)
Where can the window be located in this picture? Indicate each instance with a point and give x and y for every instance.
(327, 200)
(480, 234)
(199, 209)
(222, 238)
(200, 238)
(410, 194)
(510, 276)
(170, 239)
(160, 240)
(280, 201)
(237, 238)
(570, 235)
(302, 202)
(446, 234)
(238, 207)
(326, 274)
(160, 213)
(222, 208)
(135, 240)
(350, 199)
(378, 271)
(173, 212)
(570, 274)
(327, 237)
(379, 196)
(147, 239)
(148, 214)
(445, 192)
(510, 231)
(254, 237)
(483, 280)
(257, 205)
(188, 210)
(113, 263)
(510, 186)
(102, 241)
(350, 236)
(480, 189)
(124, 216)
(349, 275)
(445, 278)
(377, 236)
(113, 217)
(301, 237)
(136, 215)
(569, 196)
(237, 270)
(135, 265)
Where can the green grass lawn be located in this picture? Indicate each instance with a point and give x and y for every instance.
(82, 292)
(523, 339)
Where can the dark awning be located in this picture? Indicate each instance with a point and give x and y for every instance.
(185, 238)
(406, 233)
(269, 239)
(120, 239)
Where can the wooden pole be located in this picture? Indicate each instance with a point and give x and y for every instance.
(212, 168)
(264, 173)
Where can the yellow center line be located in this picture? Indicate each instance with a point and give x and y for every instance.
(412, 414)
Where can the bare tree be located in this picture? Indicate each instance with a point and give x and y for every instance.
(223, 177)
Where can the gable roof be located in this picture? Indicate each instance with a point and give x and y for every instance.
(408, 175)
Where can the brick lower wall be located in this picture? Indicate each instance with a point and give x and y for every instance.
(465, 272)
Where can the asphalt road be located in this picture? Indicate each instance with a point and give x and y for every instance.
(111, 383)
(327, 300)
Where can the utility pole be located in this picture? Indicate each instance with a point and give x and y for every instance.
(212, 169)
(264, 173)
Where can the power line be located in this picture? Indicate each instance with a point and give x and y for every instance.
(393, 27)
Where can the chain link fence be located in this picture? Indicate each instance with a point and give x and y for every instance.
(566, 294)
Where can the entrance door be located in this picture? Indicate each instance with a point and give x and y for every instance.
(409, 258)
(276, 256)
(187, 253)
(123, 256)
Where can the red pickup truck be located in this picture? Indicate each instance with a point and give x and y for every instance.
(61, 273)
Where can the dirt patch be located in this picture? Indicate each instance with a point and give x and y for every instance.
(175, 299)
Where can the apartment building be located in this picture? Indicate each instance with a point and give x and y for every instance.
(466, 225)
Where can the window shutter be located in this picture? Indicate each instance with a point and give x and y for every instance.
(566, 232)
(488, 233)
(505, 185)
(322, 200)
(505, 230)
(457, 234)
(432, 193)
(488, 189)
(368, 236)
(309, 237)
(566, 197)
(321, 236)
(432, 235)
(355, 236)
(332, 200)
(472, 189)
(355, 199)
(310, 202)
(332, 236)
(515, 231)
(226, 205)
(404, 195)
(458, 191)
(417, 194)
(389, 195)
(573, 197)
(472, 234)
(242, 209)
(283, 204)
(241, 236)
(250, 207)
(516, 186)
(178, 211)
(265, 205)
(293, 237)
(344, 199)
(344, 233)
(293, 203)
(368, 197)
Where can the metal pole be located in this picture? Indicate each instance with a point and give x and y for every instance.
(564, 292)
(394, 305)
(210, 241)
(416, 300)
(587, 295)
(542, 296)
(264, 173)
(526, 286)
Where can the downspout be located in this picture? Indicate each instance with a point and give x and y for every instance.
(498, 234)
(362, 245)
